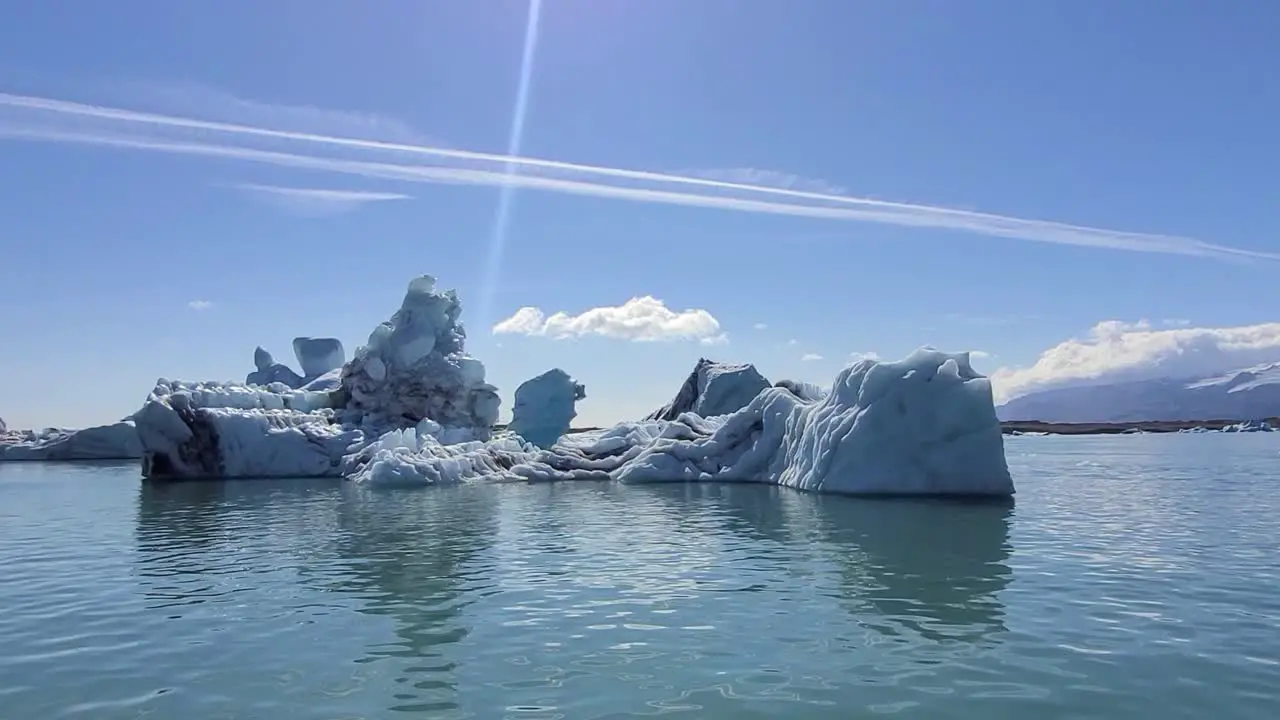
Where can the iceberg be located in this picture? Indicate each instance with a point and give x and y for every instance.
(269, 371)
(412, 408)
(225, 430)
(328, 381)
(716, 388)
(117, 441)
(317, 356)
(543, 408)
(925, 425)
(713, 388)
(412, 369)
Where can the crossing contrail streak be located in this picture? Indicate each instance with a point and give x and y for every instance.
(45, 119)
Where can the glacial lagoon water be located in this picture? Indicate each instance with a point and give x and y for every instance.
(1134, 577)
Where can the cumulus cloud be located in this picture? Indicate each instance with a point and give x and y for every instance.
(978, 354)
(640, 319)
(810, 357)
(1116, 351)
(199, 305)
(871, 355)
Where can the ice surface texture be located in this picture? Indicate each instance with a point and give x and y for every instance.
(713, 388)
(544, 407)
(226, 430)
(118, 441)
(317, 356)
(802, 390)
(413, 408)
(414, 368)
(924, 425)
(269, 371)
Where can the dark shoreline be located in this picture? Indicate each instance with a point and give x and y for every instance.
(1148, 426)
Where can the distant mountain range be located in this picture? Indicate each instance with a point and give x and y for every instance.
(1246, 394)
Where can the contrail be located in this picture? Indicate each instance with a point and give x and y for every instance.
(574, 178)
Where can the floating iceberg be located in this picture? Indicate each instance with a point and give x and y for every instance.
(318, 357)
(924, 425)
(412, 407)
(544, 407)
(713, 388)
(413, 369)
(225, 430)
(117, 441)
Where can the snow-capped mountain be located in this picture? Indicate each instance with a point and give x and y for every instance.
(1241, 395)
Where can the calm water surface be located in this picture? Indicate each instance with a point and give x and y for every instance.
(1136, 577)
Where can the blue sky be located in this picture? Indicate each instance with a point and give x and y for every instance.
(1125, 117)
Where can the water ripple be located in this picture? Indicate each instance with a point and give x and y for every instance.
(1134, 578)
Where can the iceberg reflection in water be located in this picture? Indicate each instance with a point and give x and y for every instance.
(481, 595)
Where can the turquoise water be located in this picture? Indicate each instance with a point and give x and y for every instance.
(1136, 577)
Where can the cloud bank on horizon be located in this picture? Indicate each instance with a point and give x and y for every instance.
(1116, 351)
(31, 118)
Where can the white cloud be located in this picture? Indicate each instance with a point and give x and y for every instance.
(871, 355)
(640, 319)
(199, 305)
(43, 119)
(525, 321)
(793, 342)
(759, 326)
(810, 357)
(721, 339)
(1116, 351)
(979, 354)
(316, 202)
